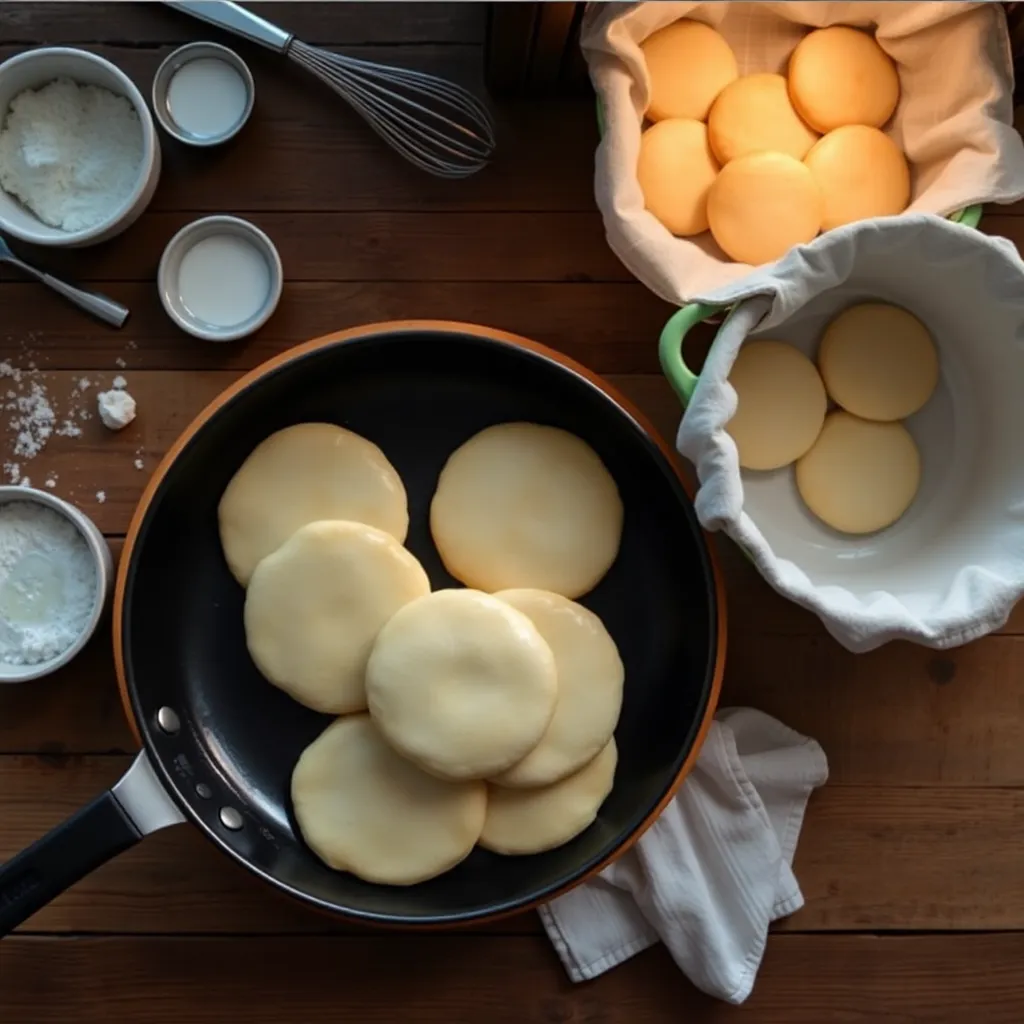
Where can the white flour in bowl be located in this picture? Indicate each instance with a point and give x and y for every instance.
(71, 153)
(47, 583)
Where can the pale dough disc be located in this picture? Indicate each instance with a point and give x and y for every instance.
(860, 476)
(522, 821)
(763, 204)
(781, 404)
(523, 505)
(688, 64)
(675, 170)
(754, 115)
(461, 683)
(861, 173)
(363, 808)
(301, 474)
(314, 607)
(840, 75)
(590, 678)
(878, 361)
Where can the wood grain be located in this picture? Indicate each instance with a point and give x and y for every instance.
(845, 980)
(870, 857)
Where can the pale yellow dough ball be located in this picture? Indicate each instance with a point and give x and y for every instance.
(754, 115)
(675, 171)
(839, 76)
(861, 173)
(761, 205)
(688, 65)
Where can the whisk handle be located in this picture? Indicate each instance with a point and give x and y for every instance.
(235, 18)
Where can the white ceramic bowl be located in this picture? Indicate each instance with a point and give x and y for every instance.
(167, 278)
(104, 578)
(34, 69)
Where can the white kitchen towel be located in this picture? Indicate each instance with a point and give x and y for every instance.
(710, 875)
(954, 120)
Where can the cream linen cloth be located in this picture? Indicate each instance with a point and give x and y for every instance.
(710, 875)
(954, 120)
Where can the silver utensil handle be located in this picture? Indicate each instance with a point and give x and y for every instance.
(235, 19)
(100, 306)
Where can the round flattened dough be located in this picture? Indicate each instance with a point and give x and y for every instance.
(363, 808)
(839, 76)
(878, 361)
(675, 170)
(762, 205)
(590, 678)
(314, 607)
(861, 173)
(462, 684)
(302, 474)
(523, 505)
(860, 476)
(781, 404)
(523, 821)
(688, 65)
(754, 115)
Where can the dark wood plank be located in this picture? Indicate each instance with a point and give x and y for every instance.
(380, 979)
(610, 327)
(31, 24)
(374, 246)
(882, 857)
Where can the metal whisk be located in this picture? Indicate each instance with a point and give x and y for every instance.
(434, 124)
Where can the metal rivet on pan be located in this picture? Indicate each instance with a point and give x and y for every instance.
(167, 719)
(230, 818)
(203, 790)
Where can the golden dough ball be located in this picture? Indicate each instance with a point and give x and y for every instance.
(688, 65)
(675, 170)
(839, 76)
(761, 205)
(754, 115)
(861, 173)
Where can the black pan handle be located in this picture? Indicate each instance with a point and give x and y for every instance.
(137, 805)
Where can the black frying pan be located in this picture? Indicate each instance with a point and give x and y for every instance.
(220, 742)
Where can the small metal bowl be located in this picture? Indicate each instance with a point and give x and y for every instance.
(102, 561)
(162, 85)
(168, 283)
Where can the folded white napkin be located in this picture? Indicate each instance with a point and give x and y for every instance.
(712, 872)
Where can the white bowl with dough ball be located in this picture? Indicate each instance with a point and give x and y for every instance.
(55, 577)
(951, 566)
(123, 158)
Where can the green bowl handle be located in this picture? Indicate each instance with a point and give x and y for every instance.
(670, 347)
(969, 216)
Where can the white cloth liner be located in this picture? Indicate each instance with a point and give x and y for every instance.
(954, 120)
(953, 568)
(710, 875)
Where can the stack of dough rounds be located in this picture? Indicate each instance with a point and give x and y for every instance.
(363, 808)
(675, 171)
(781, 404)
(860, 476)
(879, 361)
(314, 607)
(752, 115)
(839, 76)
(782, 158)
(302, 474)
(590, 678)
(763, 204)
(524, 505)
(462, 684)
(688, 65)
(861, 173)
(521, 821)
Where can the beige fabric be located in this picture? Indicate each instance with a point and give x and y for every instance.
(954, 119)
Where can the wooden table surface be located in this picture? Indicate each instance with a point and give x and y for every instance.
(911, 857)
